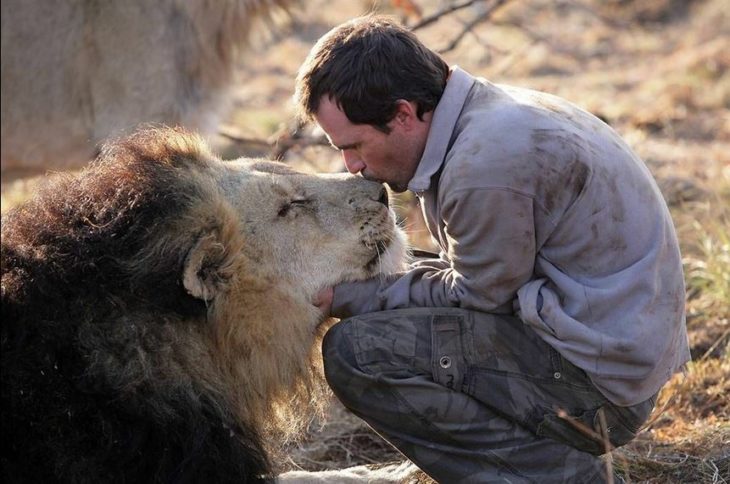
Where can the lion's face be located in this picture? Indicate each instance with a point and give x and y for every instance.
(328, 228)
(304, 232)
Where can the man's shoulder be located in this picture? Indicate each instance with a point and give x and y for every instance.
(493, 126)
(500, 121)
(503, 107)
(510, 137)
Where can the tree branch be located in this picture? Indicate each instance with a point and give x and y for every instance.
(471, 24)
(280, 142)
(445, 11)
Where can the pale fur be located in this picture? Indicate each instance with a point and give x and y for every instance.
(77, 72)
(404, 472)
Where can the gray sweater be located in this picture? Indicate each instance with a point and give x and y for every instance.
(541, 209)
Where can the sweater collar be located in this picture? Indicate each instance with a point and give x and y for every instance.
(442, 126)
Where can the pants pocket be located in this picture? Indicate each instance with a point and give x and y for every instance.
(586, 431)
(623, 423)
(576, 431)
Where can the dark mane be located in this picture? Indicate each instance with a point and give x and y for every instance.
(74, 306)
(72, 242)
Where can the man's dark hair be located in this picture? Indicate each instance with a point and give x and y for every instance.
(365, 66)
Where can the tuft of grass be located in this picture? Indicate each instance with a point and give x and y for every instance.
(703, 228)
(709, 274)
(687, 439)
(664, 466)
(705, 238)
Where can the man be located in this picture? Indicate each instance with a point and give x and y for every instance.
(540, 336)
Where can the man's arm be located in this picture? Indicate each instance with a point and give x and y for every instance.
(489, 254)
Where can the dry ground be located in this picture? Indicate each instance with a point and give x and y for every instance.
(656, 70)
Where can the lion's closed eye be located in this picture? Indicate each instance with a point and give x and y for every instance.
(291, 206)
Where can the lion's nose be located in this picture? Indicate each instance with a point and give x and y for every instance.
(383, 198)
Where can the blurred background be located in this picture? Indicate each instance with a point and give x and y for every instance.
(658, 71)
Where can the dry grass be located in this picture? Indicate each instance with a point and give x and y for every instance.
(657, 70)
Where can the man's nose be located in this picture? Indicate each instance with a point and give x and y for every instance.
(353, 163)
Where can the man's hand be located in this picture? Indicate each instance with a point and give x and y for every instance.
(323, 300)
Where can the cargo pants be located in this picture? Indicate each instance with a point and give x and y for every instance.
(471, 397)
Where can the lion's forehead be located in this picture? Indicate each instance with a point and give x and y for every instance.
(265, 179)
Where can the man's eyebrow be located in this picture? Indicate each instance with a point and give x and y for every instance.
(348, 146)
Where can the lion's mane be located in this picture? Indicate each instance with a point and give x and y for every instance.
(105, 354)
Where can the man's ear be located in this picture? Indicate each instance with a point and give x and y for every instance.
(207, 268)
(406, 112)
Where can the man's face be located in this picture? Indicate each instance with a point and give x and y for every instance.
(386, 158)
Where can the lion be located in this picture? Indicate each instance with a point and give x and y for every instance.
(77, 72)
(157, 315)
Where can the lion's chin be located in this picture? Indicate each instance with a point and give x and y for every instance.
(391, 255)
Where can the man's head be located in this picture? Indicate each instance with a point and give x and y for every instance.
(372, 86)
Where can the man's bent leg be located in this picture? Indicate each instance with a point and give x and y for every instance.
(405, 372)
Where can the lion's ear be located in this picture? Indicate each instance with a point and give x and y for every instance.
(207, 268)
